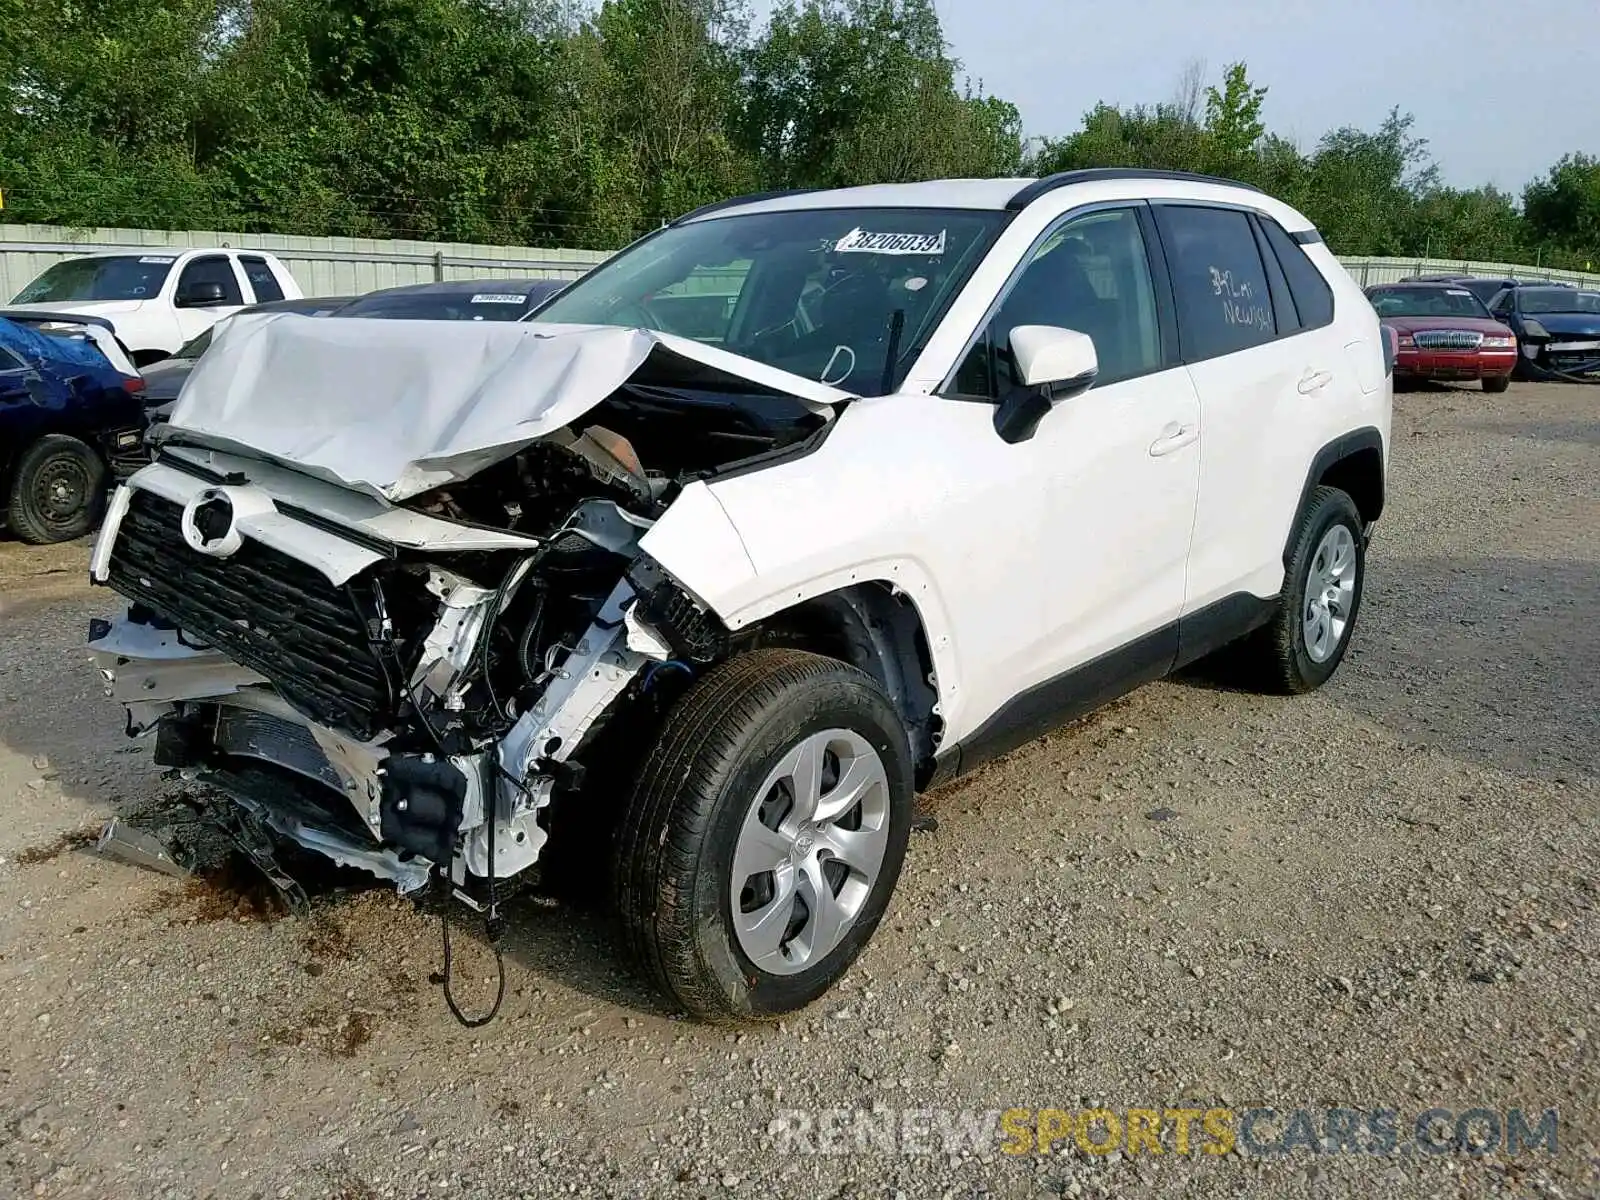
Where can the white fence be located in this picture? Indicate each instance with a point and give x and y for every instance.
(1387, 270)
(350, 266)
(323, 266)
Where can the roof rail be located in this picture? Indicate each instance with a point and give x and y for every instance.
(1061, 179)
(735, 201)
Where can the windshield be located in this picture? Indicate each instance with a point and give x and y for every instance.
(1428, 302)
(134, 277)
(842, 296)
(487, 305)
(1558, 300)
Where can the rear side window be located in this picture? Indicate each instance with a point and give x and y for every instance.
(1218, 279)
(262, 281)
(1313, 298)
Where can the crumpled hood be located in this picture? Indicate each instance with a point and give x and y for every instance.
(396, 408)
(1569, 324)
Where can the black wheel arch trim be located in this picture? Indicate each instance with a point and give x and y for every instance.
(1342, 447)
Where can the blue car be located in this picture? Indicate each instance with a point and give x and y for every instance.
(71, 420)
(1557, 328)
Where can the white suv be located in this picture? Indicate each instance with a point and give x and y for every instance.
(796, 506)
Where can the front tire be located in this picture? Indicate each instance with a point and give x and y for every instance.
(764, 835)
(1496, 383)
(1306, 641)
(56, 490)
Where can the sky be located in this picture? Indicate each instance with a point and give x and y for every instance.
(1500, 88)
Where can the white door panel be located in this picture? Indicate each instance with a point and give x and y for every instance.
(1267, 411)
(1042, 554)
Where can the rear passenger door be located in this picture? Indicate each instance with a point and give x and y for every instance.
(263, 283)
(1269, 368)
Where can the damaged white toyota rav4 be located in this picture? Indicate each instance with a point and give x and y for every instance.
(794, 507)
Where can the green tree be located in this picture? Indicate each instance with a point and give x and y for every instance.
(1233, 125)
(1563, 210)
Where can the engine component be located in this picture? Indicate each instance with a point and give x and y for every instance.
(424, 800)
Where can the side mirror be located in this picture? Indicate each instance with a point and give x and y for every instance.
(1048, 364)
(200, 295)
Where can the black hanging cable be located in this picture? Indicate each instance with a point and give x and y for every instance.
(491, 926)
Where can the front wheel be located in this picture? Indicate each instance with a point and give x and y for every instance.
(56, 490)
(764, 835)
(1496, 383)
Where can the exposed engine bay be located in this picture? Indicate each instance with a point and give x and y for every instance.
(403, 687)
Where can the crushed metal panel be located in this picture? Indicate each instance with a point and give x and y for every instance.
(299, 390)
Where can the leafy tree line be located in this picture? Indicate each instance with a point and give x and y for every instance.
(553, 122)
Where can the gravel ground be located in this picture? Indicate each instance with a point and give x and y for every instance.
(1379, 896)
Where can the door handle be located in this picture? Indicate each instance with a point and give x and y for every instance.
(1314, 381)
(1173, 437)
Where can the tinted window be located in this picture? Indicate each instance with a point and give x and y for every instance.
(1558, 300)
(112, 277)
(1426, 302)
(262, 281)
(1217, 275)
(213, 269)
(1313, 298)
(1093, 275)
(1284, 312)
(9, 361)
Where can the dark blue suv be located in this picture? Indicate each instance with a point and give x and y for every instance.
(71, 419)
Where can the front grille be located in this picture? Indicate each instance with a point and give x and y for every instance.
(1448, 339)
(262, 608)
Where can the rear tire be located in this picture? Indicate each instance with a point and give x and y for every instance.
(56, 490)
(1496, 383)
(724, 793)
(1303, 645)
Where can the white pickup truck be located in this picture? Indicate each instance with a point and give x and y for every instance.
(158, 299)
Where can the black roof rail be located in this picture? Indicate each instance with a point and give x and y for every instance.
(1061, 179)
(735, 201)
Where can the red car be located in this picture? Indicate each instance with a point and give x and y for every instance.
(1445, 332)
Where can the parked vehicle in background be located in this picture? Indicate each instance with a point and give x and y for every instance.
(718, 596)
(456, 300)
(1484, 287)
(1445, 332)
(70, 421)
(163, 380)
(1557, 329)
(159, 299)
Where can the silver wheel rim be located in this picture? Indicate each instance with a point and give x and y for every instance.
(1330, 593)
(809, 851)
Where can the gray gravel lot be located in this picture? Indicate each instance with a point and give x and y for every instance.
(1379, 896)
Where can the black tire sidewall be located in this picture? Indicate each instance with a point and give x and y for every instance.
(34, 526)
(838, 703)
(1330, 509)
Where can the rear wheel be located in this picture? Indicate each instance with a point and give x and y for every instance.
(56, 490)
(1305, 643)
(764, 835)
(1496, 383)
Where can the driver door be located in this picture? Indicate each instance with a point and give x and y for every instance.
(1114, 473)
(208, 268)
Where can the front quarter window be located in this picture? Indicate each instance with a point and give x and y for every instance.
(842, 296)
